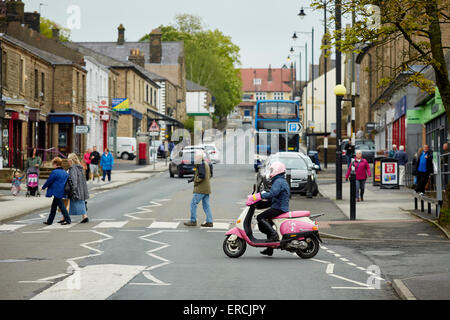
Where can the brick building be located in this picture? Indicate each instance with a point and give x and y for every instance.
(166, 64)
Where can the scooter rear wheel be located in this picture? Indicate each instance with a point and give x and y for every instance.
(234, 249)
(311, 251)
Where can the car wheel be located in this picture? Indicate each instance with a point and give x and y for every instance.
(125, 156)
(170, 172)
(180, 175)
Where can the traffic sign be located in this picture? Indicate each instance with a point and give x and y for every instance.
(154, 127)
(294, 127)
(82, 129)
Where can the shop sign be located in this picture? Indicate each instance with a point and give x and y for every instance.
(83, 129)
(389, 174)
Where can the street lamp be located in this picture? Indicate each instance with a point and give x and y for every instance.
(294, 37)
(302, 15)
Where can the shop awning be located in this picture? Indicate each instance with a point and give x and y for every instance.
(154, 115)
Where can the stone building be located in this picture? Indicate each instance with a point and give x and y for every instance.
(199, 104)
(165, 60)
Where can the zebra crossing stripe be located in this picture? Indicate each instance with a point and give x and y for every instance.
(218, 225)
(57, 226)
(111, 224)
(163, 225)
(11, 227)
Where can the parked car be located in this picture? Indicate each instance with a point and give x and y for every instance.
(213, 152)
(298, 165)
(126, 148)
(182, 163)
(366, 146)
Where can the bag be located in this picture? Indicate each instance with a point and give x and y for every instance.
(68, 188)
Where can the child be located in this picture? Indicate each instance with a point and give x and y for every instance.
(16, 182)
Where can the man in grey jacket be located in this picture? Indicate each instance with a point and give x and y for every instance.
(402, 158)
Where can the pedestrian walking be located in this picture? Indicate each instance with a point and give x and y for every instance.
(393, 151)
(362, 170)
(87, 162)
(202, 190)
(424, 167)
(349, 150)
(56, 188)
(414, 166)
(34, 161)
(402, 158)
(360, 134)
(79, 190)
(107, 162)
(93, 166)
(16, 182)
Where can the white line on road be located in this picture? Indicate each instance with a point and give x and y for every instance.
(11, 227)
(110, 224)
(163, 225)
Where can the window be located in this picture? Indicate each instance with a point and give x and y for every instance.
(151, 95)
(77, 92)
(257, 81)
(5, 69)
(36, 84)
(21, 70)
(260, 95)
(42, 85)
(278, 96)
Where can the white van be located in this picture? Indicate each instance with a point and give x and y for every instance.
(126, 148)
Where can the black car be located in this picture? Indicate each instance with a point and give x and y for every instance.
(366, 146)
(183, 163)
(297, 164)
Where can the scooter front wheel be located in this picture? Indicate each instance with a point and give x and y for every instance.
(235, 248)
(311, 251)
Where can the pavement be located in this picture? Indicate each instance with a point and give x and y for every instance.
(124, 173)
(388, 216)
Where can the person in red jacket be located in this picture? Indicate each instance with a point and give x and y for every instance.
(362, 170)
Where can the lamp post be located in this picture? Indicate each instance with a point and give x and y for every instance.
(338, 24)
(294, 37)
(302, 15)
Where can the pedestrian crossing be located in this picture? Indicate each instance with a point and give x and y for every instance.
(95, 224)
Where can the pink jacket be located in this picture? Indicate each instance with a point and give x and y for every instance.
(362, 169)
(87, 158)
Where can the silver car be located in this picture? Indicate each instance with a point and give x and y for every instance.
(297, 164)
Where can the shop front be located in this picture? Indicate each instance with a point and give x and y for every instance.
(63, 135)
(399, 123)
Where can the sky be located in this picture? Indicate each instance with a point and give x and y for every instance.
(261, 28)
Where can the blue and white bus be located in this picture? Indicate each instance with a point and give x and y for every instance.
(271, 118)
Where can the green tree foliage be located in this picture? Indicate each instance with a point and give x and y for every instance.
(211, 60)
(46, 29)
(419, 23)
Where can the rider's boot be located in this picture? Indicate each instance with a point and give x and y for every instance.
(268, 252)
(265, 227)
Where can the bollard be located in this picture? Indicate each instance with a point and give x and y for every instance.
(309, 184)
(353, 194)
(288, 179)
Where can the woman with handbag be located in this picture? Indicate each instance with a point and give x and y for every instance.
(56, 183)
(362, 171)
(79, 190)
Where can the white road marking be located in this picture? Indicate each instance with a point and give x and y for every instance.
(163, 225)
(94, 282)
(330, 268)
(11, 227)
(41, 216)
(218, 225)
(344, 259)
(32, 232)
(57, 226)
(110, 224)
(145, 209)
(354, 288)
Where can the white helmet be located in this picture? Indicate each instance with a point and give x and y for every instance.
(276, 168)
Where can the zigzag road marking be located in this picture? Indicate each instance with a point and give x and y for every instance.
(146, 209)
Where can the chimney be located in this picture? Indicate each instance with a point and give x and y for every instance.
(137, 57)
(15, 11)
(121, 36)
(155, 46)
(269, 76)
(32, 20)
(55, 33)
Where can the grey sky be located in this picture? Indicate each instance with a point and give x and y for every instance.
(261, 28)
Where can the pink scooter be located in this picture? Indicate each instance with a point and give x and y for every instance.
(298, 233)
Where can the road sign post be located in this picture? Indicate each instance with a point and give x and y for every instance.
(292, 127)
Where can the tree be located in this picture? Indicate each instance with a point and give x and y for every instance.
(420, 23)
(46, 29)
(211, 59)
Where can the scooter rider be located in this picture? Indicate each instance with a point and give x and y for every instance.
(279, 194)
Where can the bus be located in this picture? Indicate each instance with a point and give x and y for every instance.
(271, 118)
